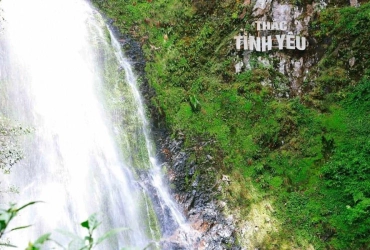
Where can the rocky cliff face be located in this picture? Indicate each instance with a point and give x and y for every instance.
(195, 193)
(194, 183)
(199, 195)
(198, 184)
(195, 188)
(295, 65)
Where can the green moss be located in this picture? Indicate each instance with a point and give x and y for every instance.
(301, 153)
(153, 230)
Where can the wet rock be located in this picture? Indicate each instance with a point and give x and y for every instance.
(353, 3)
(352, 62)
(133, 51)
(210, 228)
(295, 65)
(238, 67)
(261, 7)
(226, 178)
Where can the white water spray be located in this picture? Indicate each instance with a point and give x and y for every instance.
(60, 70)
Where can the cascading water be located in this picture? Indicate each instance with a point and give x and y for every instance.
(63, 73)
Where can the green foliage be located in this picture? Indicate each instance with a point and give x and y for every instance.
(348, 172)
(194, 103)
(10, 152)
(6, 216)
(343, 32)
(37, 245)
(310, 153)
(89, 242)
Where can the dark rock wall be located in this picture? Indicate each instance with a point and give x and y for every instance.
(198, 199)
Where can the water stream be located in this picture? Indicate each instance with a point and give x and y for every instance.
(63, 73)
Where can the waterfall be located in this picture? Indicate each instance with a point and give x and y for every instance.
(63, 73)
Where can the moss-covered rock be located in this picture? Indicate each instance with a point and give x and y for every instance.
(289, 130)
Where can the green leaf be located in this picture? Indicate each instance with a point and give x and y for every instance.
(358, 197)
(5, 217)
(110, 234)
(194, 103)
(77, 244)
(43, 238)
(28, 204)
(6, 245)
(91, 223)
(3, 225)
(68, 234)
(85, 224)
(18, 228)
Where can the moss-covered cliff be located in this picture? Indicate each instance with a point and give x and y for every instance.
(288, 150)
